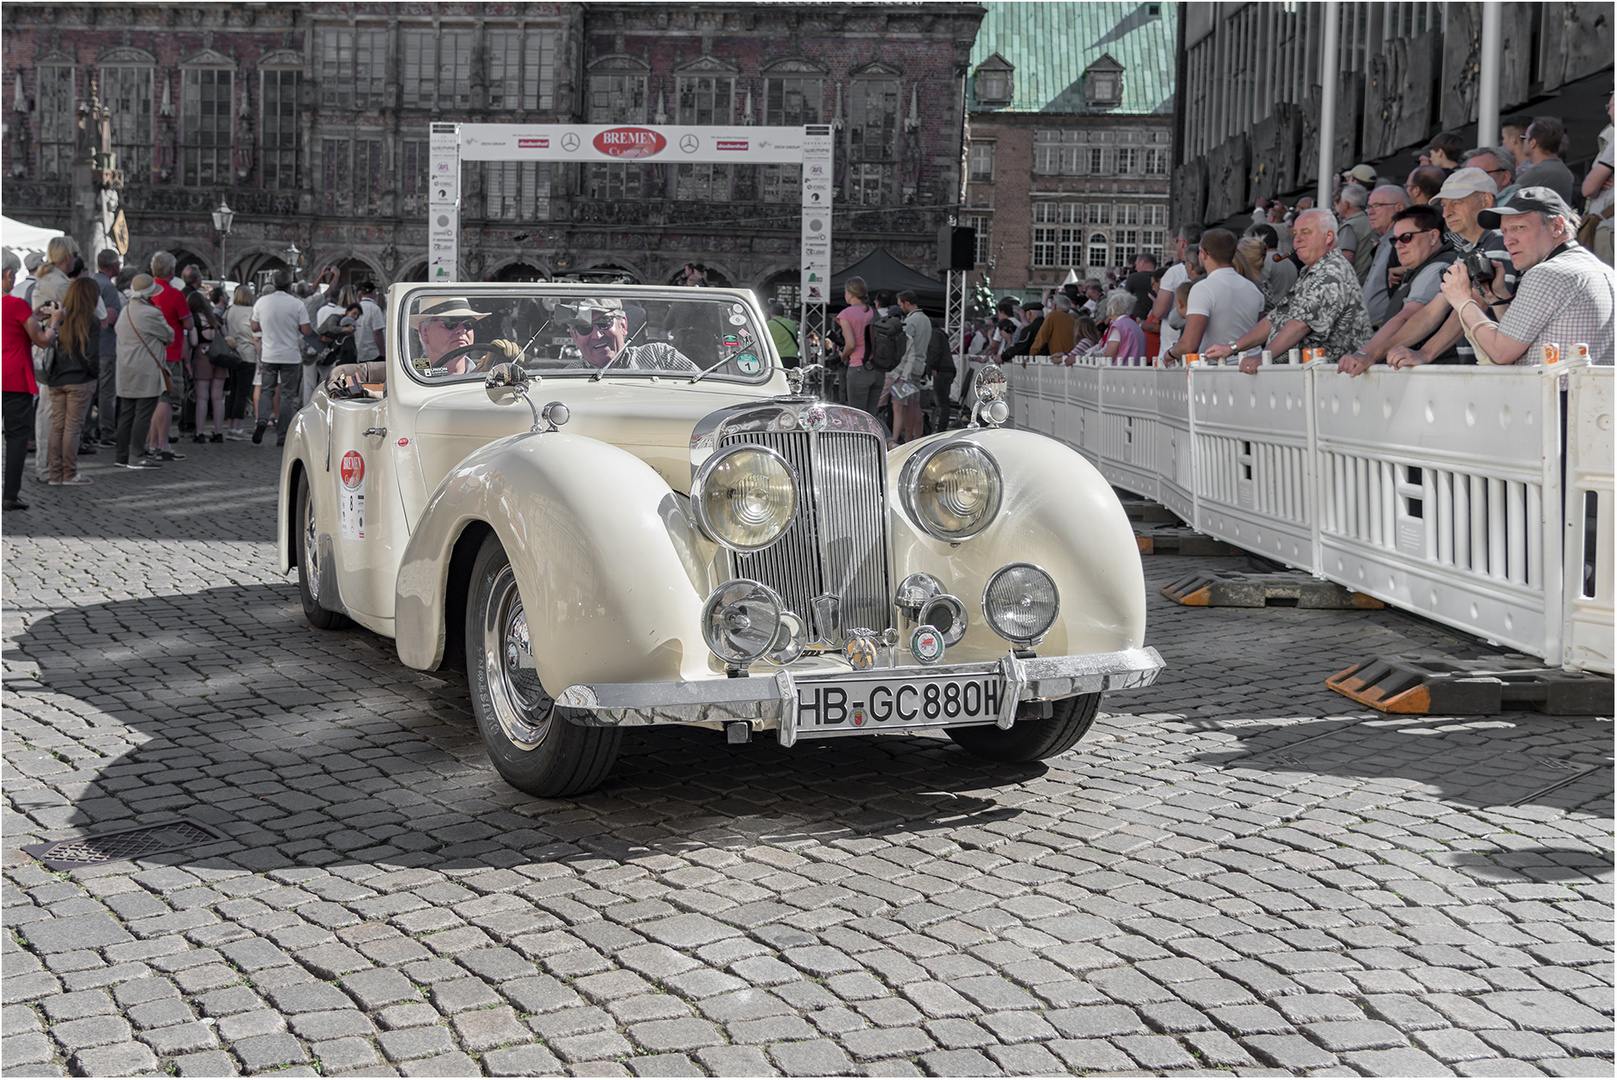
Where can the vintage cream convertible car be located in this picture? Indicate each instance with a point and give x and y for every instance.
(613, 507)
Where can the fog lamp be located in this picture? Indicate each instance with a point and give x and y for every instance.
(741, 620)
(1021, 603)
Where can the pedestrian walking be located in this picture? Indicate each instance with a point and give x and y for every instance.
(71, 379)
(239, 336)
(282, 324)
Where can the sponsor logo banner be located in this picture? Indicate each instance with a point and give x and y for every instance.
(629, 142)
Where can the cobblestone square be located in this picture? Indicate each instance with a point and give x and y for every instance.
(1236, 871)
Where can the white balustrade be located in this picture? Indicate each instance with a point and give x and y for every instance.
(1437, 489)
(1586, 638)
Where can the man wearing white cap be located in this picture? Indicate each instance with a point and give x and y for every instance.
(600, 329)
(1565, 296)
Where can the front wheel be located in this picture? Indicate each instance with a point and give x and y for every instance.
(308, 535)
(531, 744)
(1034, 738)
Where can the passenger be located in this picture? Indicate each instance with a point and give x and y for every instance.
(600, 329)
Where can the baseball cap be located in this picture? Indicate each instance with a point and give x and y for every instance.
(1528, 201)
(32, 260)
(1467, 181)
(1363, 173)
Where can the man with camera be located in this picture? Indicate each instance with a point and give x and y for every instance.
(1565, 296)
(1433, 336)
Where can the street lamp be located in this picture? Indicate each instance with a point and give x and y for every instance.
(293, 256)
(223, 218)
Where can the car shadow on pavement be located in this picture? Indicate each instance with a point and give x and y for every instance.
(225, 707)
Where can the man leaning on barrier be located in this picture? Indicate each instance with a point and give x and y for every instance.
(1424, 254)
(1324, 310)
(1565, 295)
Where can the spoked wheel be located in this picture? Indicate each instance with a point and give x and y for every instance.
(1032, 738)
(531, 744)
(308, 535)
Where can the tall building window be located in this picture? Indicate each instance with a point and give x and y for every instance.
(1127, 244)
(982, 251)
(1128, 214)
(1099, 161)
(437, 69)
(205, 126)
(127, 93)
(412, 176)
(1128, 160)
(1058, 153)
(279, 100)
(1056, 239)
(516, 190)
(982, 161)
(352, 66)
(352, 176)
(789, 101)
(1100, 213)
(872, 139)
(1096, 256)
(521, 70)
(54, 98)
(704, 99)
(1156, 161)
(616, 98)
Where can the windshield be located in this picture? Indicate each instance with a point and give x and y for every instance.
(456, 336)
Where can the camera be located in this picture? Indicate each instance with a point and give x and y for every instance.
(1480, 269)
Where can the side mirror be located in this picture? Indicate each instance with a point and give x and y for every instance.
(506, 384)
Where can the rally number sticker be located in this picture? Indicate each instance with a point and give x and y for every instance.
(351, 496)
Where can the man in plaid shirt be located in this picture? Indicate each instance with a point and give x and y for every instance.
(1565, 295)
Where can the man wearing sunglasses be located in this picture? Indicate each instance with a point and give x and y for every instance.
(444, 324)
(1417, 234)
(599, 327)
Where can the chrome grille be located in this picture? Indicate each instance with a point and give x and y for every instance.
(837, 543)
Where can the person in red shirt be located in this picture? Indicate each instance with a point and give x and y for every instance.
(177, 310)
(20, 330)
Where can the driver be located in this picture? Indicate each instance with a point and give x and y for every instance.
(599, 328)
(444, 325)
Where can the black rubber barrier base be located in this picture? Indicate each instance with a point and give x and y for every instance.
(1422, 684)
(1236, 589)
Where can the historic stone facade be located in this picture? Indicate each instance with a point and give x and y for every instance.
(312, 122)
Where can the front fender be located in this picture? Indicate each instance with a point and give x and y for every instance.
(307, 447)
(611, 573)
(1059, 513)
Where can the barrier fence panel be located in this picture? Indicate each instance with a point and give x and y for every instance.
(1439, 492)
(1083, 399)
(1176, 459)
(1254, 472)
(1128, 428)
(1586, 638)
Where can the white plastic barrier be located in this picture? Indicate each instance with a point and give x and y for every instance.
(1128, 428)
(1440, 493)
(1586, 638)
(1176, 456)
(1254, 462)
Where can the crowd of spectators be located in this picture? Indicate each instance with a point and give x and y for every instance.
(1477, 256)
(107, 360)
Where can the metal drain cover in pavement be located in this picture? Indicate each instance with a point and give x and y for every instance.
(136, 843)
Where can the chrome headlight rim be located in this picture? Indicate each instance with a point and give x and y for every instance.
(724, 594)
(705, 473)
(909, 484)
(1055, 611)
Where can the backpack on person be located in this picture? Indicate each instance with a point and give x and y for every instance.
(884, 346)
(938, 358)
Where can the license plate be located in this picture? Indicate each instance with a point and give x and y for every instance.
(864, 706)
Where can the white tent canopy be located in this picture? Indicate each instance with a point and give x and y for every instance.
(21, 237)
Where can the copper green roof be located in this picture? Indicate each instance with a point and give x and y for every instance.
(1052, 44)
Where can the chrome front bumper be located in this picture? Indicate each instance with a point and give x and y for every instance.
(767, 701)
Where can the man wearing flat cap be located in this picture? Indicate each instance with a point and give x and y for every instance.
(1565, 294)
(599, 328)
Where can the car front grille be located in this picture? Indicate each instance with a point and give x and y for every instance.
(837, 543)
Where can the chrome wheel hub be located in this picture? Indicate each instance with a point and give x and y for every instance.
(521, 705)
(311, 546)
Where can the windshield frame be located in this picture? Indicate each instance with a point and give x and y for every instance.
(403, 300)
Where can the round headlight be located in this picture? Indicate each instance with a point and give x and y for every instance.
(1020, 603)
(954, 491)
(741, 620)
(744, 497)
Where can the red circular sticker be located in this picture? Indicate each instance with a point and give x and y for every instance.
(352, 470)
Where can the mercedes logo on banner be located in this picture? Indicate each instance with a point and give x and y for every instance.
(689, 143)
(569, 142)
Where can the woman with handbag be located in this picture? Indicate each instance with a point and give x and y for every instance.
(238, 337)
(20, 332)
(143, 338)
(71, 379)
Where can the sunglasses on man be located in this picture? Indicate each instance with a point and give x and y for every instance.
(1404, 238)
(603, 323)
(454, 324)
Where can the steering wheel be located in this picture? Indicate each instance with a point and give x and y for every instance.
(486, 350)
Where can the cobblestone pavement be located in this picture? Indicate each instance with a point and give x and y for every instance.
(1236, 871)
